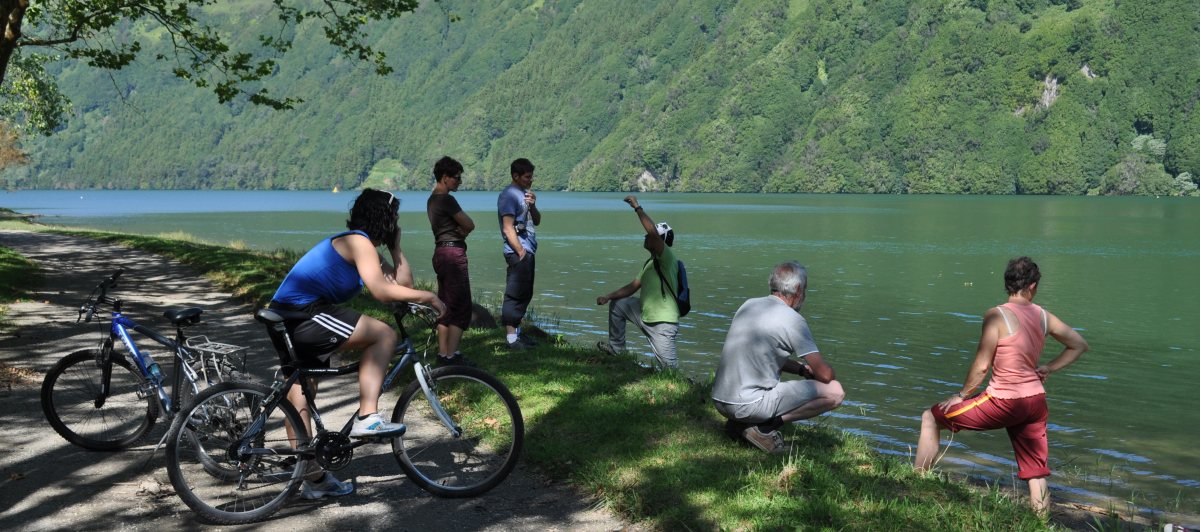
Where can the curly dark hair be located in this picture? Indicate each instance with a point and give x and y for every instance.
(1020, 274)
(376, 213)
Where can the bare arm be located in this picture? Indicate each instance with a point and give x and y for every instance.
(366, 261)
(656, 244)
(534, 214)
(465, 223)
(984, 354)
(401, 272)
(620, 293)
(1073, 346)
(816, 369)
(510, 234)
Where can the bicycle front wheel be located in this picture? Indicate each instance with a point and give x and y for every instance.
(210, 470)
(76, 408)
(478, 459)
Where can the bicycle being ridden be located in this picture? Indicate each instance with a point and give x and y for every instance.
(460, 432)
(105, 400)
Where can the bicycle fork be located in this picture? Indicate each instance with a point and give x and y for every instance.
(104, 360)
(428, 388)
(410, 354)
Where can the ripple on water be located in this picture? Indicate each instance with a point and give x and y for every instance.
(1063, 428)
(836, 414)
(880, 366)
(1085, 376)
(1129, 457)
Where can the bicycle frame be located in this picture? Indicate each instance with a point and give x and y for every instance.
(119, 328)
(299, 375)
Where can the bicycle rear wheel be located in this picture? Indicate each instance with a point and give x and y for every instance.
(74, 406)
(209, 472)
(493, 432)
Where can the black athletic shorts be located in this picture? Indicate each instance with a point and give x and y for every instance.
(315, 339)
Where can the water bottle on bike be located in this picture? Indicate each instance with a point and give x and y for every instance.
(156, 375)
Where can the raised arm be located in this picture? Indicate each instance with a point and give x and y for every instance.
(366, 261)
(655, 243)
(534, 214)
(401, 271)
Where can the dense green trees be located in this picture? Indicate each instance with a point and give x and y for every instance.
(857, 96)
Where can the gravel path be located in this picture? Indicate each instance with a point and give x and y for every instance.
(48, 484)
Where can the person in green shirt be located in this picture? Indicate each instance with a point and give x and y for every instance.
(655, 312)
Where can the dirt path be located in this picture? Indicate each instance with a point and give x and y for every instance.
(48, 484)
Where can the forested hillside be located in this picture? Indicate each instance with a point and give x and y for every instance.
(889, 96)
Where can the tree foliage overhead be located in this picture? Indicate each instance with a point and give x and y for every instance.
(857, 96)
(200, 39)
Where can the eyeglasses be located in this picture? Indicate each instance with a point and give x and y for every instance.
(391, 198)
(457, 177)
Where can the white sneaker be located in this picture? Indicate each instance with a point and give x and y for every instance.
(374, 427)
(328, 486)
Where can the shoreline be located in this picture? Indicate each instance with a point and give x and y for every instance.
(486, 338)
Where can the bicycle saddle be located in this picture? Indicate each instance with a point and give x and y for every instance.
(183, 317)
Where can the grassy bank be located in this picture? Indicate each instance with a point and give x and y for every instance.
(650, 445)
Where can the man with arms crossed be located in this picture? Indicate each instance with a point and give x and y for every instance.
(765, 334)
(518, 213)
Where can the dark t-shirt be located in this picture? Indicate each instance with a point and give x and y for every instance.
(441, 209)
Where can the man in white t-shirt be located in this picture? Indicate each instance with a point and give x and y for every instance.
(767, 337)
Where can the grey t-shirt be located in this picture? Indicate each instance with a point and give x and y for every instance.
(765, 332)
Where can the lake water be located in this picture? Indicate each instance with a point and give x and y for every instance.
(898, 285)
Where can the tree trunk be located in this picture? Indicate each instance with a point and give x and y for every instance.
(12, 12)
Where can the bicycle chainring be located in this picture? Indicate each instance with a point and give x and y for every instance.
(333, 450)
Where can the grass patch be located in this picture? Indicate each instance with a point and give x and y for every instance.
(16, 274)
(10, 219)
(650, 444)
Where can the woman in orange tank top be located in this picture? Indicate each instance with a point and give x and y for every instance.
(1010, 346)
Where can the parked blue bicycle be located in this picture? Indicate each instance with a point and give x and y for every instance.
(105, 400)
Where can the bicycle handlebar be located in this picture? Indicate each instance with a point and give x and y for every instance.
(89, 306)
(424, 313)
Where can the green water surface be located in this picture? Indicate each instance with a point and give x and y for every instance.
(898, 285)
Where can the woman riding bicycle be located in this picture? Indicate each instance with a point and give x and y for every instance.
(333, 272)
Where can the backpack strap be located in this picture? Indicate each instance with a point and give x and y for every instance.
(663, 278)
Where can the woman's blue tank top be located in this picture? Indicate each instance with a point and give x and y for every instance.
(320, 274)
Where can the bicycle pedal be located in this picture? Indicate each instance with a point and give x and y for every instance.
(379, 438)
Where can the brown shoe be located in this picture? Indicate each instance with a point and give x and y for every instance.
(771, 442)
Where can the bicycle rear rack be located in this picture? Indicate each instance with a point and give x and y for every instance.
(219, 350)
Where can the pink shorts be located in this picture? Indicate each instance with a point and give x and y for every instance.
(1024, 418)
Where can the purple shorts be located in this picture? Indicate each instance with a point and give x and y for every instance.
(454, 285)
